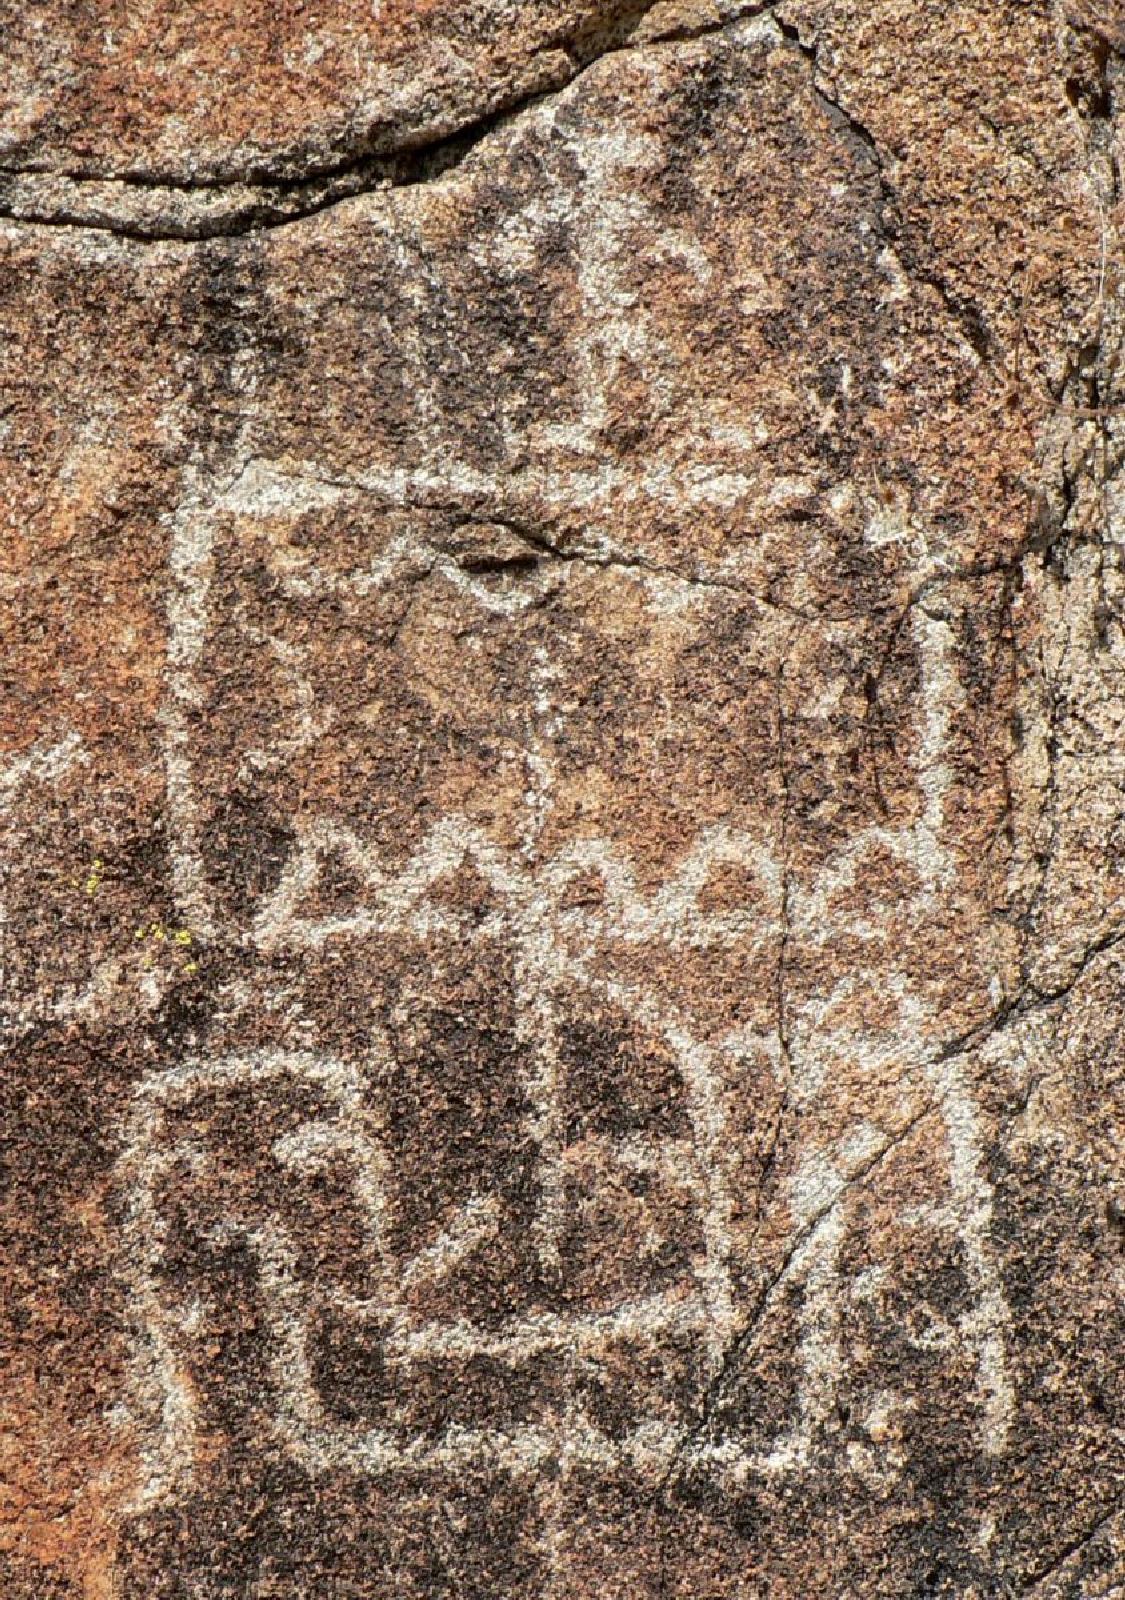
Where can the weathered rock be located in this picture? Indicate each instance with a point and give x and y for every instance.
(562, 802)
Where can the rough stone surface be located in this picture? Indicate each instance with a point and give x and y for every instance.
(562, 800)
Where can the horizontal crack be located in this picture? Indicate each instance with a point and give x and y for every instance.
(146, 209)
(230, 210)
(632, 561)
(602, 558)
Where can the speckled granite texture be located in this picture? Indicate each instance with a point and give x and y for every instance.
(562, 800)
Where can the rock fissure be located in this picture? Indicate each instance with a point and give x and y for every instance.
(1071, 1549)
(264, 203)
(965, 314)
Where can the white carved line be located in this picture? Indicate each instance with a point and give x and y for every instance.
(159, 1376)
(529, 918)
(940, 698)
(477, 1221)
(190, 558)
(986, 1323)
(543, 933)
(817, 1196)
(43, 763)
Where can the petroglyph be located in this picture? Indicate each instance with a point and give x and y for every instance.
(561, 823)
(568, 949)
(170, 1325)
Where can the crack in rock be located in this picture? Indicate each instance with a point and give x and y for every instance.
(150, 209)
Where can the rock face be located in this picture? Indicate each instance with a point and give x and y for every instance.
(562, 800)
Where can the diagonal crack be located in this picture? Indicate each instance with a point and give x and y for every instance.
(1074, 1548)
(962, 310)
(743, 1341)
(1032, 998)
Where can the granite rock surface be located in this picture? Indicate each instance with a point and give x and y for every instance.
(562, 800)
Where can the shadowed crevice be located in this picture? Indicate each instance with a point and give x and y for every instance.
(147, 208)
